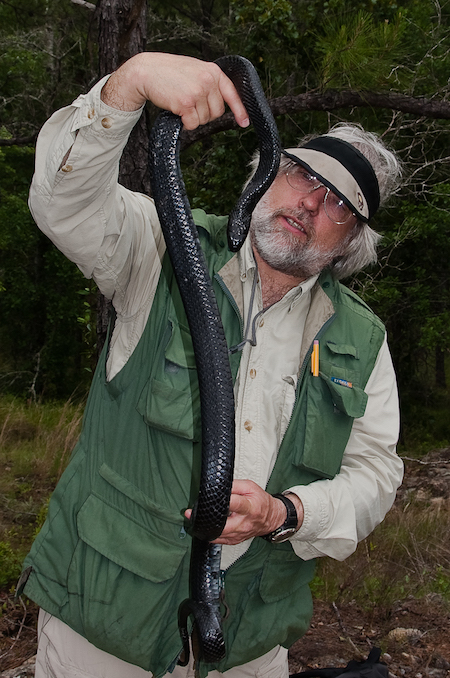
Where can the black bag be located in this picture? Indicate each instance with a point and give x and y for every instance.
(369, 668)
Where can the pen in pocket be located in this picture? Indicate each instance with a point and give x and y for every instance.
(315, 359)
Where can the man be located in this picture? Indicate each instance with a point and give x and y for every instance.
(111, 563)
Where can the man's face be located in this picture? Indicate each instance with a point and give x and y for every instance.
(292, 232)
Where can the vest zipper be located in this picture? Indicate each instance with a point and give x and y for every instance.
(308, 355)
(231, 299)
(222, 574)
(305, 363)
(301, 374)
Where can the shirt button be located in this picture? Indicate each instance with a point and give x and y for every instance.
(248, 425)
(261, 322)
(66, 168)
(252, 373)
(106, 123)
(91, 113)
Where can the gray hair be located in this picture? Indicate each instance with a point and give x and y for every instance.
(361, 246)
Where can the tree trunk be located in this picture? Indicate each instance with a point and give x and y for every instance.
(441, 381)
(122, 30)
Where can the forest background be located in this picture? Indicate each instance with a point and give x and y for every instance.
(382, 63)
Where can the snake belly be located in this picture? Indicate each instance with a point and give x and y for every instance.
(210, 348)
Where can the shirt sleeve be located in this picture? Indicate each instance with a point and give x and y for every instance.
(342, 511)
(107, 230)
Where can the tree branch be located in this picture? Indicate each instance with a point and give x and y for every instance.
(310, 101)
(19, 141)
(88, 5)
(329, 101)
(332, 99)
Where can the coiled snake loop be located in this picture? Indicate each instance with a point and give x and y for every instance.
(210, 347)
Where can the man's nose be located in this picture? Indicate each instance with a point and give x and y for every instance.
(313, 200)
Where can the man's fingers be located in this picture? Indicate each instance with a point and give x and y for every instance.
(230, 95)
(214, 90)
(203, 112)
(211, 108)
(239, 503)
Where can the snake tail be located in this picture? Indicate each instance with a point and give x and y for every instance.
(204, 606)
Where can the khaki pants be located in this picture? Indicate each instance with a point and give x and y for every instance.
(63, 653)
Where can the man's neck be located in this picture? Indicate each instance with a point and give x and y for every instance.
(274, 284)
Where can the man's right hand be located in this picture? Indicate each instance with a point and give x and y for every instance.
(193, 89)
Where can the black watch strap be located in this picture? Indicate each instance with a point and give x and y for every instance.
(289, 527)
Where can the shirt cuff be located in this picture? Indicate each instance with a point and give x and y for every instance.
(92, 111)
(314, 513)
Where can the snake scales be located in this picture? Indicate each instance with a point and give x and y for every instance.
(210, 348)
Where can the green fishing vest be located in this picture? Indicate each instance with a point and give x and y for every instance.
(112, 559)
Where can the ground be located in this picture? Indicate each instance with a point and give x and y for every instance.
(414, 638)
(413, 634)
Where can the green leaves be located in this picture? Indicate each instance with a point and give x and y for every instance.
(358, 52)
(271, 14)
(39, 304)
(41, 65)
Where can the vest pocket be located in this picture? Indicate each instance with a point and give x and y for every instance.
(125, 583)
(269, 599)
(294, 572)
(126, 543)
(347, 397)
(333, 400)
(170, 401)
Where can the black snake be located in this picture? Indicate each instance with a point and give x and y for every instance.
(210, 347)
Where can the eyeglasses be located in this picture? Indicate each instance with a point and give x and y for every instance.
(335, 208)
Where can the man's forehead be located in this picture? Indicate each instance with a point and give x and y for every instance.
(343, 169)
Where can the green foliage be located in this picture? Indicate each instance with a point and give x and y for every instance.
(36, 441)
(213, 183)
(44, 60)
(271, 30)
(39, 297)
(10, 563)
(358, 52)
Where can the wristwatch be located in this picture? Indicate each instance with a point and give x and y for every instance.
(289, 527)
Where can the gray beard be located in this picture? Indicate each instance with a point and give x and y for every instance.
(282, 250)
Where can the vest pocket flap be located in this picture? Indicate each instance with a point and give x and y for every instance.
(170, 400)
(124, 542)
(284, 573)
(170, 409)
(179, 349)
(343, 349)
(346, 396)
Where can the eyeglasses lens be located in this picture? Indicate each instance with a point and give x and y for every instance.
(304, 182)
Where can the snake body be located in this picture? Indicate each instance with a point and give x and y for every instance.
(211, 352)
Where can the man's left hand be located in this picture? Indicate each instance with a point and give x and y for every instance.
(253, 513)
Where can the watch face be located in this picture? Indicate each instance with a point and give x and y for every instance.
(283, 534)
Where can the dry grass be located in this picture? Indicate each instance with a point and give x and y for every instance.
(35, 444)
(407, 555)
(37, 439)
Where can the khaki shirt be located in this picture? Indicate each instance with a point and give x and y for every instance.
(114, 236)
